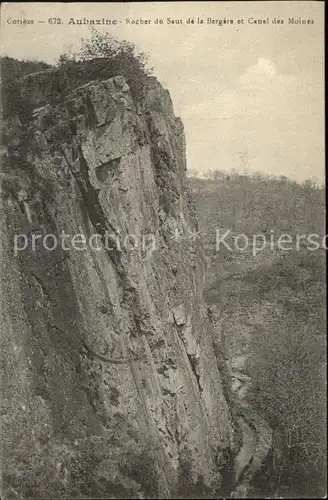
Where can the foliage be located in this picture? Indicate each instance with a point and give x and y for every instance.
(11, 72)
(275, 309)
(103, 56)
(257, 203)
(287, 370)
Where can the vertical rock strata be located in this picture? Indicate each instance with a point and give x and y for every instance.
(110, 386)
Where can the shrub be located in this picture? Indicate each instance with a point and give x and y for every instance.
(11, 72)
(288, 390)
(101, 57)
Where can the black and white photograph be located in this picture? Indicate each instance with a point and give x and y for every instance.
(163, 250)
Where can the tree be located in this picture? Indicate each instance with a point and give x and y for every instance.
(287, 371)
(12, 71)
(192, 172)
(103, 56)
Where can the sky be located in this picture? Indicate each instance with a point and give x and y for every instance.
(251, 95)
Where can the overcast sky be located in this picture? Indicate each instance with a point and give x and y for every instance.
(251, 96)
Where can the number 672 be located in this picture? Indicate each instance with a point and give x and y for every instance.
(54, 20)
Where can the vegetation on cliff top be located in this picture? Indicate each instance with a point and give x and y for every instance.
(101, 57)
(11, 71)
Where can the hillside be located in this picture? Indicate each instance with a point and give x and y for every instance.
(271, 305)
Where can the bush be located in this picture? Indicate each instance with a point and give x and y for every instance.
(101, 57)
(11, 72)
(288, 390)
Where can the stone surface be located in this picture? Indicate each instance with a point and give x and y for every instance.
(111, 386)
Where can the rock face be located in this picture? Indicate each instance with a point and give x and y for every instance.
(111, 387)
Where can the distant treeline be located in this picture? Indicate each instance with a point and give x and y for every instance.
(257, 203)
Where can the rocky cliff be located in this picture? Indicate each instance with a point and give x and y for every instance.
(111, 386)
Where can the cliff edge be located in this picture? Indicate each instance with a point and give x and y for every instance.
(111, 387)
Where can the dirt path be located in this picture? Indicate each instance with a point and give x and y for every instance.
(257, 436)
(247, 451)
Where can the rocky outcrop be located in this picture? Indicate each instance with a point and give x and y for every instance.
(111, 385)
